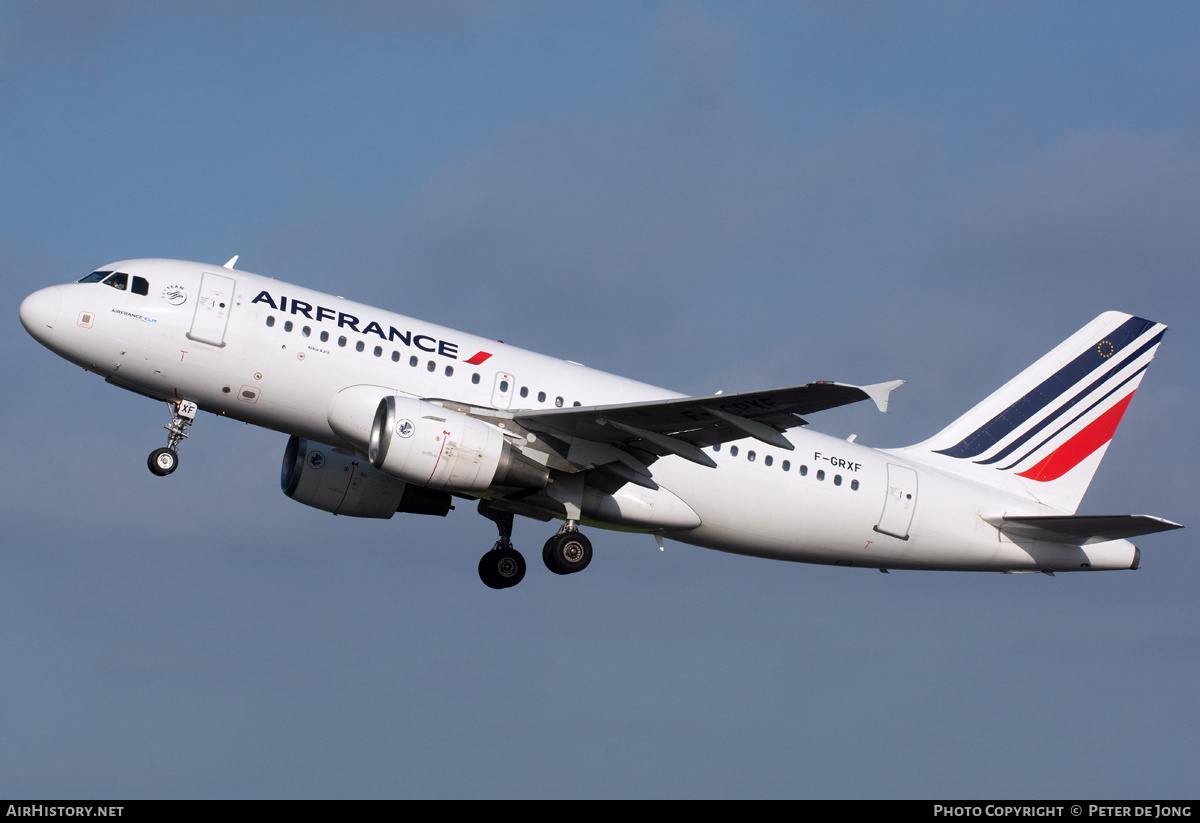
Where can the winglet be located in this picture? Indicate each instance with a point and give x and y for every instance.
(880, 392)
(232, 260)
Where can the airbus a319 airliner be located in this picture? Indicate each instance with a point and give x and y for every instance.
(391, 414)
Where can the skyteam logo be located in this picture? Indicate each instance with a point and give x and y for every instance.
(1053, 416)
(405, 428)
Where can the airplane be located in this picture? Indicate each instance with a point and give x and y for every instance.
(387, 414)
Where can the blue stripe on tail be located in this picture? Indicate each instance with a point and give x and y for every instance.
(1053, 387)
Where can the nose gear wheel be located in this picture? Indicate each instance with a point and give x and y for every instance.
(164, 461)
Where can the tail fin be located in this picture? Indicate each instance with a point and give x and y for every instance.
(1044, 432)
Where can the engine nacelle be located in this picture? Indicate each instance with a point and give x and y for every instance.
(444, 449)
(333, 481)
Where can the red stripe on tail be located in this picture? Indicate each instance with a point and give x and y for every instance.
(1078, 448)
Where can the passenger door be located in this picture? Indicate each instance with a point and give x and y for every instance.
(212, 309)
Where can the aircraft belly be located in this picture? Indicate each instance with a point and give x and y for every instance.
(782, 517)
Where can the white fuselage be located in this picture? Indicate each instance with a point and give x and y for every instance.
(277, 355)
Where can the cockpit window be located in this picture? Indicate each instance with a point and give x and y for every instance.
(117, 280)
(140, 285)
(95, 277)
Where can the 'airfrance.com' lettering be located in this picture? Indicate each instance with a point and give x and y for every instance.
(320, 314)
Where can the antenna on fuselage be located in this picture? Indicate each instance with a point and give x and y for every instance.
(232, 260)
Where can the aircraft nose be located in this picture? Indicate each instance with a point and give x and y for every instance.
(39, 313)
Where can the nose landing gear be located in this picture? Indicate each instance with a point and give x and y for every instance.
(164, 461)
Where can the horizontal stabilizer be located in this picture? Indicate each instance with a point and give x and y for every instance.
(1079, 530)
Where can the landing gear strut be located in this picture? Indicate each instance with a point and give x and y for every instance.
(164, 461)
(502, 566)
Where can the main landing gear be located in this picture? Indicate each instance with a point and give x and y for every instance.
(567, 552)
(503, 566)
(164, 461)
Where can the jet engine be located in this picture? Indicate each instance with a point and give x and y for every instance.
(334, 481)
(440, 448)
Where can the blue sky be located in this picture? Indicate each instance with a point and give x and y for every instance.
(698, 195)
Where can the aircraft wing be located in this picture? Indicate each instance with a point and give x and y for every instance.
(628, 432)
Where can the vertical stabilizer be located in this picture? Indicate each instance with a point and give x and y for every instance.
(1044, 432)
